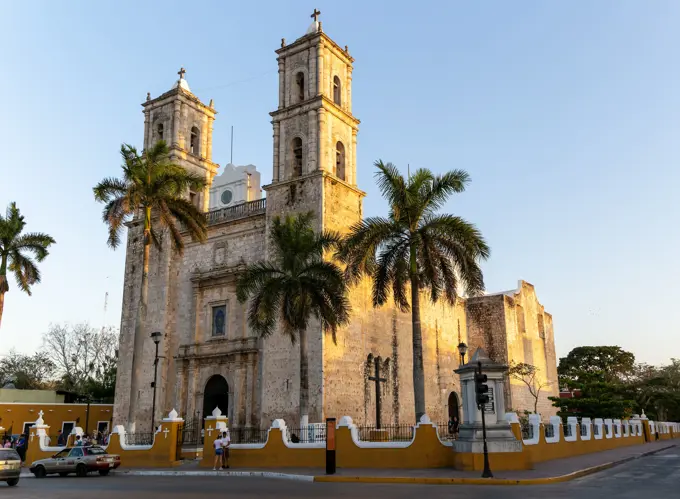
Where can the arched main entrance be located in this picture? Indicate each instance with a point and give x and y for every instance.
(454, 407)
(216, 394)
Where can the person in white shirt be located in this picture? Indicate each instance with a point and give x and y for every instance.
(226, 442)
(218, 452)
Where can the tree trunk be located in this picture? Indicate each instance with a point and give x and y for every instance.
(418, 371)
(138, 348)
(3, 284)
(2, 302)
(304, 380)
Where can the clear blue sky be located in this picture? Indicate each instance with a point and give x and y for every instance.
(565, 113)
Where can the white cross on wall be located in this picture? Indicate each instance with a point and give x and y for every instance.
(210, 430)
(32, 435)
(166, 431)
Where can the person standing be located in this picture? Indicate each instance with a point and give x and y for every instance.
(21, 447)
(218, 452)
(455, 427)
(61, 439)
(226, 443)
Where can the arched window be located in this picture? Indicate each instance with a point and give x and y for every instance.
(300, 86)
(297, 157)
(193, 143)
(337, 88)
(340, 160)
(159, 131)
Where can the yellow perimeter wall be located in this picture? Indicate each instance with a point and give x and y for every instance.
(426, 451)
(14, 415)
(162, 454)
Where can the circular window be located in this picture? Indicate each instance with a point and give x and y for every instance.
(226, 197)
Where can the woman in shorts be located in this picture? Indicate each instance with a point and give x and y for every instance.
(218, 451)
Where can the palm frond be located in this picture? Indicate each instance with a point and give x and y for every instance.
(36, 242)
(109, 188)
(391, 183)
(442, 187)
(25, 271)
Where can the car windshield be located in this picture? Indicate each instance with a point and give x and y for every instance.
(9, 455)
(95, 451)
(63, 453)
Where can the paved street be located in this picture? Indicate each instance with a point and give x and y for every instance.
(654, 477)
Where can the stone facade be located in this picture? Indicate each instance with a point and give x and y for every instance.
(314, 169)
(514, 327)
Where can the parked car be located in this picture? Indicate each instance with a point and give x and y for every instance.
(78, 460)
(10, 466)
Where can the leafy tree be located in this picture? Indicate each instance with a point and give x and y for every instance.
(153, 191)
(293, 287)
(611, 364)
(600, 374)
(15, 247)
(528, 374)
(417, 248)
(84, 357)
(27, 372)
(656, 391)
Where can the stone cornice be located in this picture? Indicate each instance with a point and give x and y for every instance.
(207, 278)
(184, 95)
(314, 174)
(311, 40)
(313, 104)
(218, 347)
(189, 157)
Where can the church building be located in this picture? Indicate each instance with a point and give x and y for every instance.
(208, 356)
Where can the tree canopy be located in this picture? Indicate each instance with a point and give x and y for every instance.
(416, 248)
(610, 364)
(606, 382)
(19, 253)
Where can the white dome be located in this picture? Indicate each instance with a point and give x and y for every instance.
(183, 84)
(314, 27)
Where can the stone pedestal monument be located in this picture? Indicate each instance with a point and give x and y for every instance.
(499, 436)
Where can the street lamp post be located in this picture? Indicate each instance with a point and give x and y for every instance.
(156, 337)
(462, 349)
(87, 415)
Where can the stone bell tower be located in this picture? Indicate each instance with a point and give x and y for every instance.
(186, 125)
(315, 132)
(314, 169)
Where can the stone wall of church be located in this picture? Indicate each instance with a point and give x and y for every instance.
(229, 245)
(280, 374)
(513, 327)
(386, 332)
(180, 310)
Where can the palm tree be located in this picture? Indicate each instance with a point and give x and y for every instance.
(295, 285)
(415, 245)
(152, 190)
(13, 248)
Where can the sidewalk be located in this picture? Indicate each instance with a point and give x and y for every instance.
(558, 470)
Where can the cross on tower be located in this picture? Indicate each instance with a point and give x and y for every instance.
(181, 73)
(315, 14)
(377, 380)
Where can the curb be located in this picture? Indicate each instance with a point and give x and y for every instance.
(486, 481)
(252, 474)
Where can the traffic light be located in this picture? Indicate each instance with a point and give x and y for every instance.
(481, 389)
